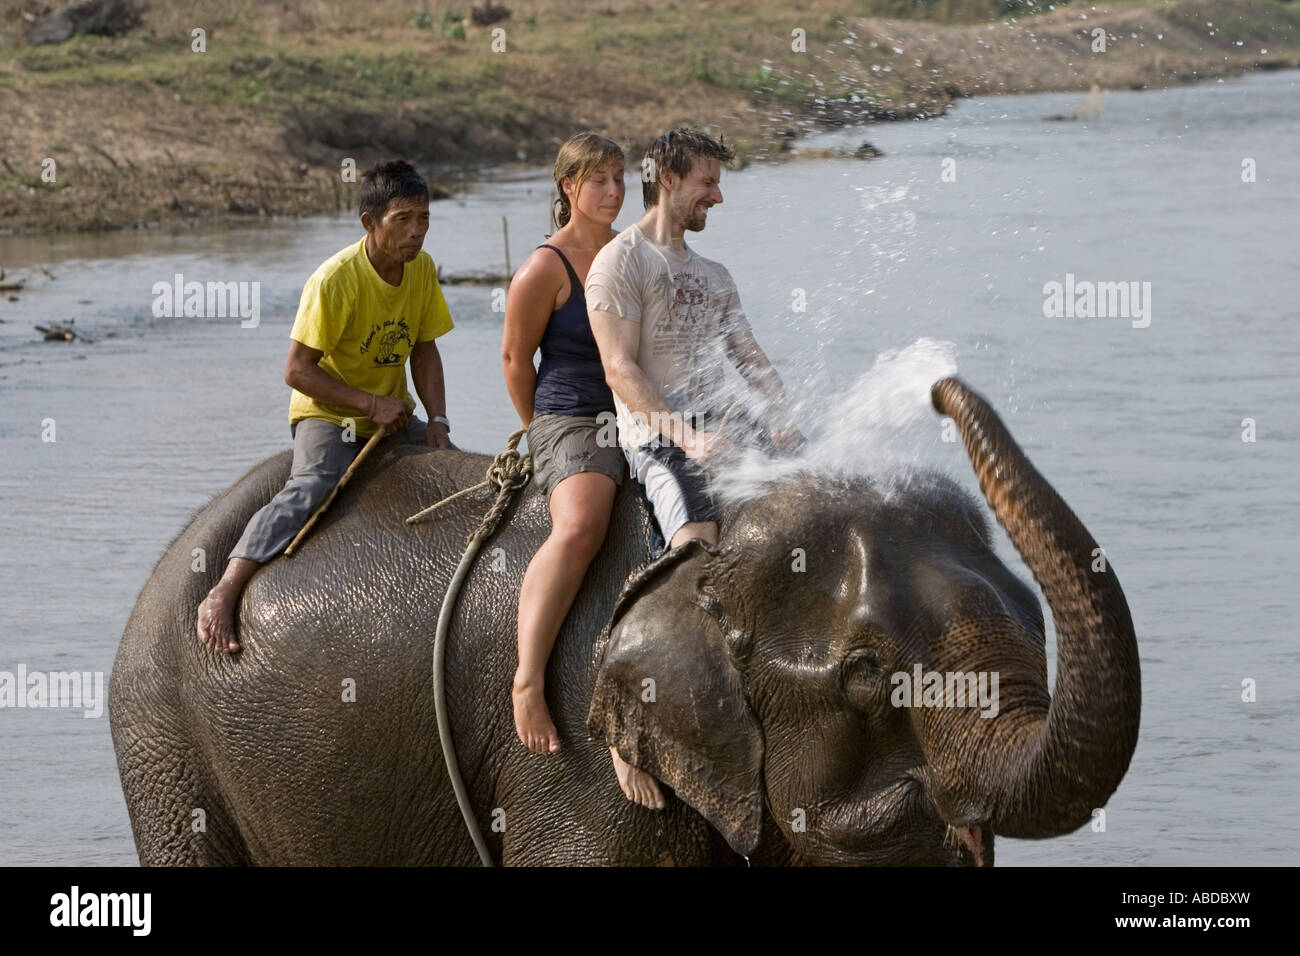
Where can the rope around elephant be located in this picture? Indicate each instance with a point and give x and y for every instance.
(509, 471)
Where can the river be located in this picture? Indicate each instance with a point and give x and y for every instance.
(951, 237)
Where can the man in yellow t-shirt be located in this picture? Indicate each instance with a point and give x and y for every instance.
(363, 313)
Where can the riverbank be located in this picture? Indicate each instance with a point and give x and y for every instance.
(143, 128)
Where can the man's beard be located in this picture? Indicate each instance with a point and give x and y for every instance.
(693, 220)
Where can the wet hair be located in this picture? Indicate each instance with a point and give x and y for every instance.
(387, 181)
(580, 156)
(676, 151)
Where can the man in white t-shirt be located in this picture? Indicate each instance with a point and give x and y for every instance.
(668, 323)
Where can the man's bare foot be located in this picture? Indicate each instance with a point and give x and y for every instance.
(533, 721)
(637, 785)
(216, 618)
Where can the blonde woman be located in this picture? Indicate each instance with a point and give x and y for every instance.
(559, 403)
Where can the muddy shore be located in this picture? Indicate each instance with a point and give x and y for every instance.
(111, 132)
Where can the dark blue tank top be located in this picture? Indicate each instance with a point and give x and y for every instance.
(570, 377)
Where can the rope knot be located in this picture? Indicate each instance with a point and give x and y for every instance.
(509, 471)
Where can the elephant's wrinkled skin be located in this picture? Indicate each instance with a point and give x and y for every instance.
(770, 718)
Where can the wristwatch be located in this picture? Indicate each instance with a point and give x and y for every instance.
(442, 420)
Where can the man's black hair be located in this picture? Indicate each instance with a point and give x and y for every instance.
(389, 180)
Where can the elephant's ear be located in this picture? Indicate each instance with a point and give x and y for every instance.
(669, 697)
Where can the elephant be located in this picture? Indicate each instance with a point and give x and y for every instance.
(760, 692)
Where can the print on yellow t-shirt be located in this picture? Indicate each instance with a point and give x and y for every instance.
(366, 328)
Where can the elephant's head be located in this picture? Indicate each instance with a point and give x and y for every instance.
(760, 677)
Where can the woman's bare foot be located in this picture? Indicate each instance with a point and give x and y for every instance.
(533, 721)
(637, 785)
(216, 618)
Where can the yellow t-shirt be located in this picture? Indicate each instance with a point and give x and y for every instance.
(366, 328)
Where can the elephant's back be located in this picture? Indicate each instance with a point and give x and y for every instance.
(153, 646)
(332, 691)
(160, 667)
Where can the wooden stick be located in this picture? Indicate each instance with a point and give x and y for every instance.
(347, 476)
(505, 236)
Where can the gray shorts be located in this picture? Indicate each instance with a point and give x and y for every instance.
(320, 456)
(564, 445)
(676, 485)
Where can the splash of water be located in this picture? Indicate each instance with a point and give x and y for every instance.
(881, 425)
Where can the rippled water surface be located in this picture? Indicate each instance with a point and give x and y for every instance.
(1140, 429)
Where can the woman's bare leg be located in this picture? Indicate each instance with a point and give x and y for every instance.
(580, 507)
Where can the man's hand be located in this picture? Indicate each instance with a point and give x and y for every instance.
(436, 435)
(706, 447)
(391, 414)
(787, 439)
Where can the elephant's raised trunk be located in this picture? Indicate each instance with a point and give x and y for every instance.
(1048, 774)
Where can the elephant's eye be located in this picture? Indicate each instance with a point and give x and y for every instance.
(863, 665)
(863, 679)
(863, 661)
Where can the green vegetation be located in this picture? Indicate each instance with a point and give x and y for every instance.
(29, 182)
(453, 25)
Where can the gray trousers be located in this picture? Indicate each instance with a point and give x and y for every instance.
(320, 456)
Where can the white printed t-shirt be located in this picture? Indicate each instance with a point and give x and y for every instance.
(687, 306)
